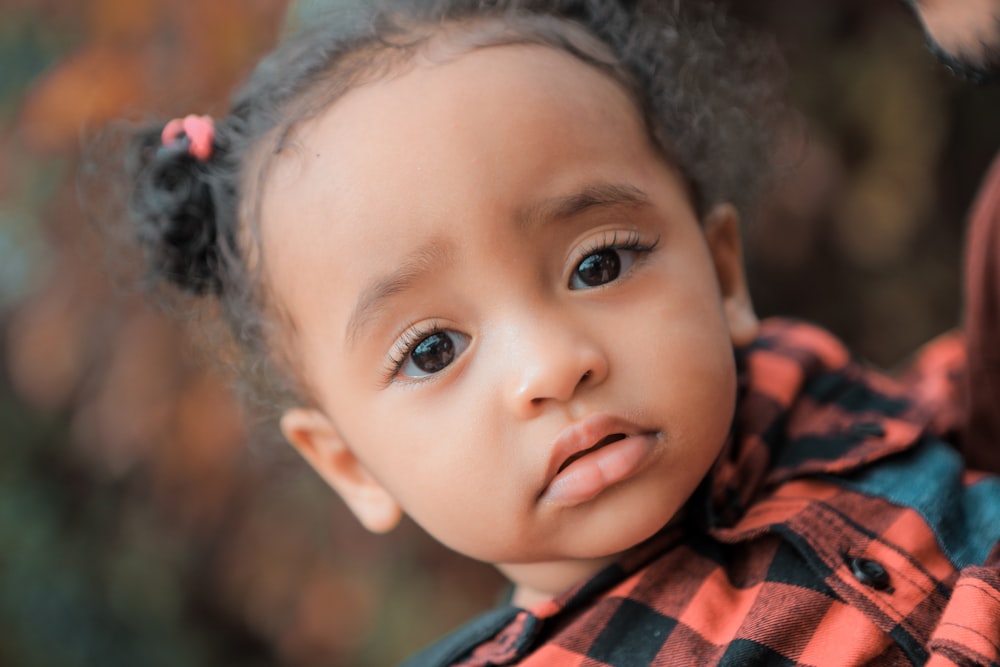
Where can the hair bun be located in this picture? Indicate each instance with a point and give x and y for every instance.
(173, 209)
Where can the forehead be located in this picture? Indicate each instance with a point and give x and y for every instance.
(384, 143)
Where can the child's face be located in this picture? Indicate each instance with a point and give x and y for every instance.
(488, 270)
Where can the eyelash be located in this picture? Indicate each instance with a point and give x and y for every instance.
(403, 347)
(632, 241)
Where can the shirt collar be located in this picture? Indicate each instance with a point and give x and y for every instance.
(805, 408)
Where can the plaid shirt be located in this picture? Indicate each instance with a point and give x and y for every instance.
(833, 530)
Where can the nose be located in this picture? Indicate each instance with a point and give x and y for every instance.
(553, 363)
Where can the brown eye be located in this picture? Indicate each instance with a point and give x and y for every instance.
(434, 353)
(601, 267)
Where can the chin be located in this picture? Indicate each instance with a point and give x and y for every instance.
(617, 530)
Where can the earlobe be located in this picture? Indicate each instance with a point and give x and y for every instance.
(722, 233)
(316, 438)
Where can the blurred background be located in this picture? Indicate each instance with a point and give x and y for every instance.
(140, 524)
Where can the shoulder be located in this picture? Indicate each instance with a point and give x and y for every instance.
(813, 412)
(808, 407)
(791, 362)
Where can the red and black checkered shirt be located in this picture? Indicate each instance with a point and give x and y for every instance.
(833, 530)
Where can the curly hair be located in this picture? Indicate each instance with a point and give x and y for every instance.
(704, 85)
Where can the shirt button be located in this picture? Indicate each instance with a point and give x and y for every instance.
(870, 573)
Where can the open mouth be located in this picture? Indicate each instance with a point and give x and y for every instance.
(606, 440)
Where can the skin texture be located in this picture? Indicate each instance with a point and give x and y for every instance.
(965, 34)
(465, 194)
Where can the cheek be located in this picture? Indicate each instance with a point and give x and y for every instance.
(433, 455)
(452, 465)
(687, 359)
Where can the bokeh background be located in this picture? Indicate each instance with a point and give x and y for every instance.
(141, 524)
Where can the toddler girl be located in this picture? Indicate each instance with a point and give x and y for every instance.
(484, 258)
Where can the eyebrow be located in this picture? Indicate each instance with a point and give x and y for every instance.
(422, 261)
(597, 195)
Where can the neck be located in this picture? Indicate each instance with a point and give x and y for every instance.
(535, 583)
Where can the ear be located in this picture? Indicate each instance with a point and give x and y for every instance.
(316, 438)
(722, 233)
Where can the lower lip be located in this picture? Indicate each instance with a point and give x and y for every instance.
(589, 475)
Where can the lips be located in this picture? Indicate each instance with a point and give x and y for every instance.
(592, 455)
(606, 440)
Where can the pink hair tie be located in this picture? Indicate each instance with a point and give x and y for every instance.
(199, 130)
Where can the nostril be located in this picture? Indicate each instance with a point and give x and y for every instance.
(585, 376)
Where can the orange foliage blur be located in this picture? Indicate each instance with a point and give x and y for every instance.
(146, 54)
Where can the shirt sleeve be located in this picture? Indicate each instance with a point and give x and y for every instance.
(968, 632)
